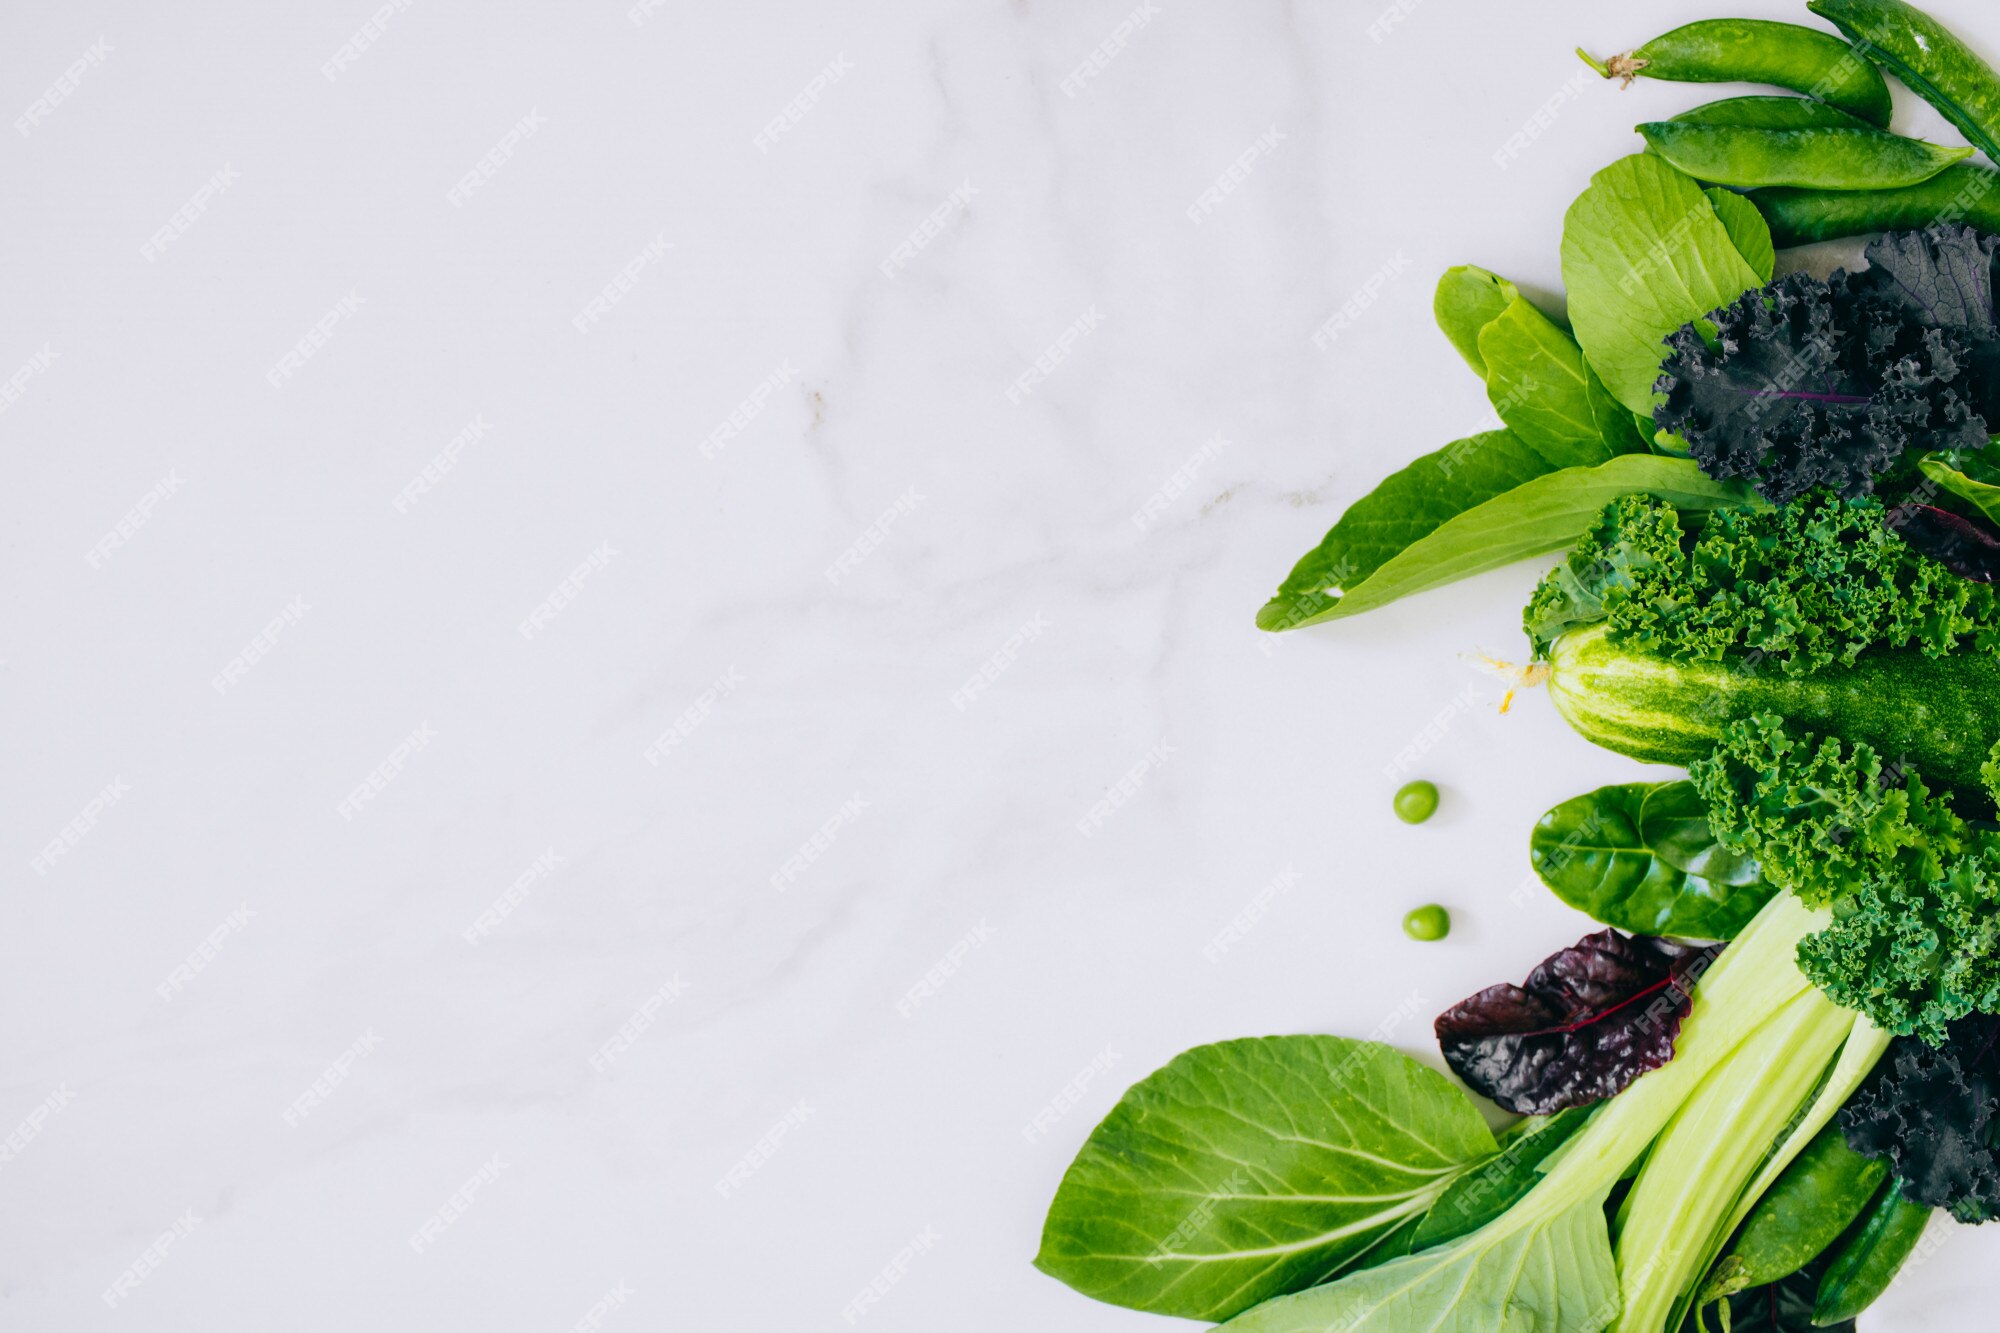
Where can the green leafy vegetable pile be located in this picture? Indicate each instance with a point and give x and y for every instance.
(1800, 588)
(1915, 940)
(1740, 1103)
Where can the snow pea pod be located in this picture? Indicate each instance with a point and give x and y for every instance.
(1813, 1202)
(1822, 159)
(1772, 113)
(1928, 59)
(1783, 55)
(1967, 193)
(1872, 1257)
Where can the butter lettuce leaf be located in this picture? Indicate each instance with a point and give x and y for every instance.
(1644, 253)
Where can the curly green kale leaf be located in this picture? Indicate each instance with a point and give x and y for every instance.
(1914, 889)
(1934, 1114)
(1811, 382)
(1801, 588)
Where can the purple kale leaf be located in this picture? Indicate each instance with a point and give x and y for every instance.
(1589, 1020)
(1941, 275)
(1934, 1114)
(1808, 382)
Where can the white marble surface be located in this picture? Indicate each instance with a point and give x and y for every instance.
(200, 195)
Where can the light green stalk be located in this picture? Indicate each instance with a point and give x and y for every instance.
(1718, 1141)
(1864, 1048)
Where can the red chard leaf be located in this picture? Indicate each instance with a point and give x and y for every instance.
(1966, 548)
(1589, 1020)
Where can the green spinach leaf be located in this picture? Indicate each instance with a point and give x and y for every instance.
(1476, 505)
(1247, 1169)
(1468, 299)
(1643, 253)
(1547, 393)
(1537, 1275)
(1641, 857)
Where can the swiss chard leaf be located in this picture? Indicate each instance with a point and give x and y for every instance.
(1500, 1182)
(1478, 505)
(1547, 393)
(1468, 299)
(1544, 1274)
(1640, 856)
(1590, 1019)
(1247, 1169)
(1643, 253)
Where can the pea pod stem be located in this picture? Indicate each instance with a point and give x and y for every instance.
(1783, 55)
(1600, 66)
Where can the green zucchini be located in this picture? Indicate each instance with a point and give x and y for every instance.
(1939, 715)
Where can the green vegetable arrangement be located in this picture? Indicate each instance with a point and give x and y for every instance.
(1738, 1105)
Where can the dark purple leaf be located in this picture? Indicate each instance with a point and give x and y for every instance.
(1590, 1019)
(1966, 548)
(1944, 274)
(1808, 382)
(1933, 1113)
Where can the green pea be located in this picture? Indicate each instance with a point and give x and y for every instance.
(1825, 159)
(1429, 922)
(1783, 55)
(1416, 801)
(1966, 193)
(1771, 113)
(1928, 60)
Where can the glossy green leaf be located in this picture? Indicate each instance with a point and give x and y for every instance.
(1477, 505)
(1643, 252)
(1247, 1169)
(1468, 299)
(1748, 231)
(1547, 393)
(1962, 476)
(1640, 856)
(1540, 1275)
